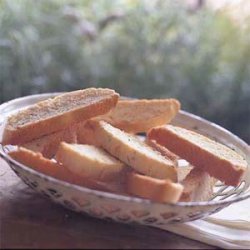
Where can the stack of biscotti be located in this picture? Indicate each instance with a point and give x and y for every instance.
(212, 157)
(91, 136)
(41, 127)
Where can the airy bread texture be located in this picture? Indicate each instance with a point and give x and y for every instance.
(198, 186)
(48, 144)
(89, 161)
(214, 158)
(134, 152)
(136, 116)
(153, 189)
(57, 113)
(51, 168)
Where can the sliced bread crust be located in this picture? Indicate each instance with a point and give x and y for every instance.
(57, 113)
(152, 188)
(163, 150)
(183, 167)
(216, 159)
(89, 161)
(134, 116)
(41, 164)
(134, 152)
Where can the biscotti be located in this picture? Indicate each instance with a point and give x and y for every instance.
(51, 168)
(134, 152)
(90, 138)
(89, 161)
(212, 157)
(136, 116)
(153, 189)
(57, 113)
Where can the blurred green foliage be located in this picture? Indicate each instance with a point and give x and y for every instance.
(140, 48)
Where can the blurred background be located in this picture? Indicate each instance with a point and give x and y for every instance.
(196, 51)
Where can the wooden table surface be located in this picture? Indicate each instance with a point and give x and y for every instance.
(28, 220)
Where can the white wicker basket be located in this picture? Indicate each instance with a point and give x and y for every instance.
(128, 209)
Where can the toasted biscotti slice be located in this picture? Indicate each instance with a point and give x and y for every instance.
(216, 159)
(134, 152)
(48, 144)
(41, 164)
(57, 113)
(183, 167)
(136, 116)
(153, 189)
(198, 186)
(89, 161)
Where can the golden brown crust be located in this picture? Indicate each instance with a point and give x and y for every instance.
(134, 116)
(37, 162)
(196, 150)
(163, 150)
(198, 186)
(98, 102)
(152, 188)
